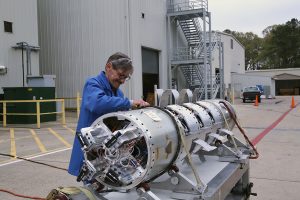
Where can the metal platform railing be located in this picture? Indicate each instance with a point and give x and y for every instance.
(196, 52)
(186, 53)
(185, 5)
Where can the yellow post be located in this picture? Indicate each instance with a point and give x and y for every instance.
(78, 104)
(4, 114)
(38, 114)
(63, 117)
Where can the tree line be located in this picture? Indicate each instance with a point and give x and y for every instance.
(279, 47)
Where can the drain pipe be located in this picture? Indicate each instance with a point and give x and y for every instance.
(28, 48)
(129, 48)
(22, 44)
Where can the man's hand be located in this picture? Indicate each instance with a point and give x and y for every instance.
(139, 103)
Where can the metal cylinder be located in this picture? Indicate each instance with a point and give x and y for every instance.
(124, 149)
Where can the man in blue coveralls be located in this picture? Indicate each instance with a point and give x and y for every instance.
(101, 95)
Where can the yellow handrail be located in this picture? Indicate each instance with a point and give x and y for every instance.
(78, 101)
(38, 110)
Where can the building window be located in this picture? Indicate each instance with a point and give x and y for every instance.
(8, 27)
(231, 43)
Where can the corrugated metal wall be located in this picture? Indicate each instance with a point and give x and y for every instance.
(77, 37)
(23, 15)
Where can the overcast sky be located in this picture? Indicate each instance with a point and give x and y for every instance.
(251, 15)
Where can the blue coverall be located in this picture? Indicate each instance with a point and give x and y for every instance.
(98, 99)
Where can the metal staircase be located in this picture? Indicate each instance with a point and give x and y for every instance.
(191, 29)
(192, 74)
(194, 60)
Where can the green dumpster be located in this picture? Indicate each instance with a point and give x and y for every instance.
(29, 93)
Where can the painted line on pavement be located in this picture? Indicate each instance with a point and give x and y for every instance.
(38, 141)
(13, 151)
(16, 139)
(60, 137)
(36, 156)
(261, 135)
(71, 130)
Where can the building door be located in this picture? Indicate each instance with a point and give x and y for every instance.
(287, 87)
(150, 64)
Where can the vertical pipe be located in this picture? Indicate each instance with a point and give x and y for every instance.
(28, 60)
(155, 95)
(38, 114)
(222, 63)
(232, 94)
(23, 64)
(205, 54)
(209, 55)
(63, 117)
(78, 104)
(169, 53)
(129, 47)
(221, 73)
(4, 114)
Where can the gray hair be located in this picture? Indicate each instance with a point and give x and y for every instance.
(120, 61)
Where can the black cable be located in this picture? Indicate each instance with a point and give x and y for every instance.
(36, 162)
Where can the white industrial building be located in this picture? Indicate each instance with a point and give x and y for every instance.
(234, 58)
(72, 40)
(18, 40)
(275, 81)
(77, 37)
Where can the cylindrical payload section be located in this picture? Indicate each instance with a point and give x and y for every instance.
(124, 149)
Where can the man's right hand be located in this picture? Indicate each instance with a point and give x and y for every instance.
(139, 103)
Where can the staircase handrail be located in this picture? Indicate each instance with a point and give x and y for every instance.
(186, 5)
(187, 53)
